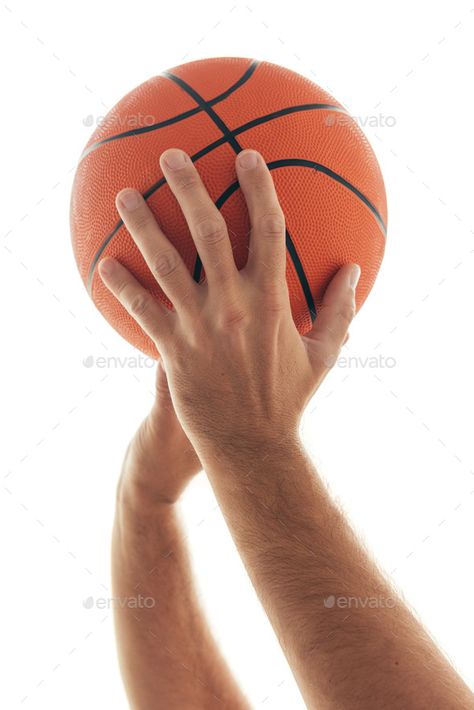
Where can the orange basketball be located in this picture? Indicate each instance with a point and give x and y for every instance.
(326, 175)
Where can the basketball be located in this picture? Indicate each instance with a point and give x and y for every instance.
(326, 176)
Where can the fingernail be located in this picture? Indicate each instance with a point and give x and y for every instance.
(354, 276)
(106, 266)
(175, 159)
(248, 160)
(130, 199)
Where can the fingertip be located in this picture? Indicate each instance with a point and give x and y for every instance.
(174, 158)
(344, 279)
(248, 159)
(128, 199)
(107, 266)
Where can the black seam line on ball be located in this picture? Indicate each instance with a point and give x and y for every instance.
(289, 245)
(197, 271)
(299, 162)
(175, 119)
(278, 163)
(227, 133)
(317, 167)
(200, 154)
(204, 151)
(240, 129)
(208, 149)
(233, 142)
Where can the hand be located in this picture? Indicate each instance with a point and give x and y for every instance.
(160, 460)
(238, 370)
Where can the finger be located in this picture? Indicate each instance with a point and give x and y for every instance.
(151, 315)
(163, 260)
(267, 254)
(332, 323)
(206, 224)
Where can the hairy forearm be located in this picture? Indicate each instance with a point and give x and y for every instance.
(167, 655)
(350, 640)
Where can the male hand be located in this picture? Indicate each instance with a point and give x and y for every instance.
(237, 368)
(240, 375)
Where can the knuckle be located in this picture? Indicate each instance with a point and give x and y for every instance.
(323, 353)
(329, 359)
(212, 230)
(346, 311)
(165, 264)
(188, 297)
(272, 223)
(274, 298)
(141, 220)
(232, 316)
(187, 182)
(121, 290)
(139, 304)
(232, 319)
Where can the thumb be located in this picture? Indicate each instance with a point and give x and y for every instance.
(330, 328)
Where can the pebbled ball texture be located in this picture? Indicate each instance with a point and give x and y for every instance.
(326, 175)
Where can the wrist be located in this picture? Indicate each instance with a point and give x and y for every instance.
(138, 492)
(251, 451)
(147, 484)
(158, 464)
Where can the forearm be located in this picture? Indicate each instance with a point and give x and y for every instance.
(234, 359)
(361, 648)
(167, 654)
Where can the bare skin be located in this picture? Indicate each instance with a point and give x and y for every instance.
(168, 657)
(239, 376)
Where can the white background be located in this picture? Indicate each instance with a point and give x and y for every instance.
(393, 440)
